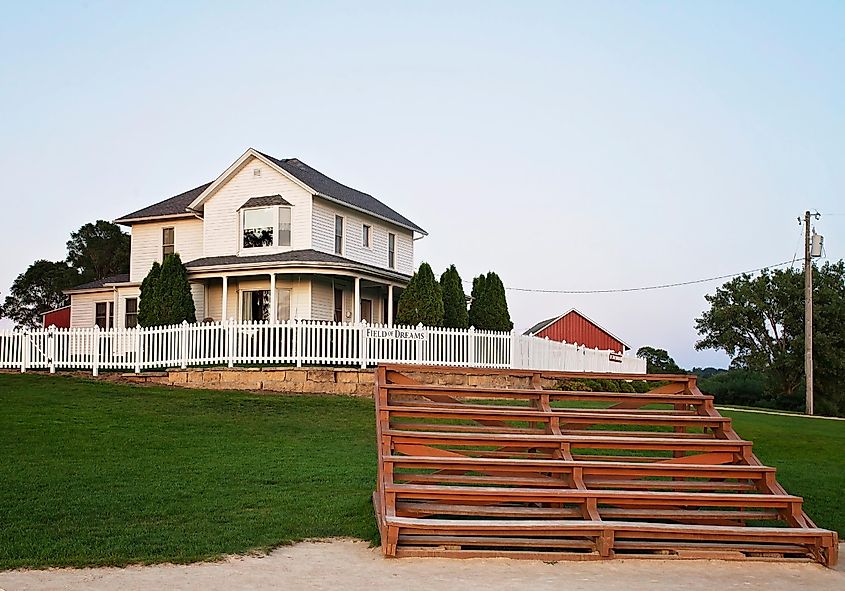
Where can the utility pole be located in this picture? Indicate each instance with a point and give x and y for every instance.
(812, 249)
(808, 315)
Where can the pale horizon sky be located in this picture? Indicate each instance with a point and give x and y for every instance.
(563, 145)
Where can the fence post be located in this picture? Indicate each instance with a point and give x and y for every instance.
(362, 351)
(471, 347)
(24, 350)
(230, 338)
(138, 340)
(183, 343)
(95, 353)
(297, 331)
(513, 347)
(51, 348)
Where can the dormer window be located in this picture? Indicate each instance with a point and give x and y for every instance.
(265, 222)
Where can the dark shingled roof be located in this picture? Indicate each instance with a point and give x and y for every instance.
(122, 278)
(540, 326)
(177, 205)
(265, 201)
(314, 179)
(334, 190)
(292, 256)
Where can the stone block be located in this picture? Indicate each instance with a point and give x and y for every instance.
(296, 375)
(367, 377)
(346, 388)
(205, 376)
(177, 377)
(277, 385)
(364, 390)
(321, 375)
(346, 377)
(197, 376)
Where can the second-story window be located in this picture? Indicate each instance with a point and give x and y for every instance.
(258, 227)
(284, 226)
(365, 236)
(168, 242)
(338, 234)
(391, 251)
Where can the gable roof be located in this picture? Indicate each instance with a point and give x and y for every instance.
(540, 326)
(173, 207)
(319, 184)
(335, 191)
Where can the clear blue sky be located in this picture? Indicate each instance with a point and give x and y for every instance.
(564, 145)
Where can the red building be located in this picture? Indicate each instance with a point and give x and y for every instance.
(60, 318)
(574, 327)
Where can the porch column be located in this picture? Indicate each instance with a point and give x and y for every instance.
(273, 317)
(357, 306)
(225, 303)
(390, 304)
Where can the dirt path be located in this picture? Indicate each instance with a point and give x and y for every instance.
(346, 564)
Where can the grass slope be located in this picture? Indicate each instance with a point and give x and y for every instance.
(95, 473)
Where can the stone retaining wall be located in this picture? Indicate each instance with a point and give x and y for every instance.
(348, 381)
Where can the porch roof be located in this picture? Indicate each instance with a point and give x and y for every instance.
(292, 258)
(99, 284)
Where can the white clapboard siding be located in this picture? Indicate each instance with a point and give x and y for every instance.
(323, 236)
(305, 342)
(147, 244)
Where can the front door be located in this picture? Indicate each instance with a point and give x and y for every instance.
(367, 310)
(256, 305)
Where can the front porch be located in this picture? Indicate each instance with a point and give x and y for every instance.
(281, 295)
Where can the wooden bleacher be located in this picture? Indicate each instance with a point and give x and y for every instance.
(552, 474)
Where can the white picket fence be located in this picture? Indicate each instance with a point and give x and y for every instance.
(295, 343)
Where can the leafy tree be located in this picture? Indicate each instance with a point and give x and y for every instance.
(658, 360)
(759, 322)
(739, 386)
(173, 293)
(455, 313)
(422, 300)
(489, 307)
(148, 304)
(98, 250)
(38, 290)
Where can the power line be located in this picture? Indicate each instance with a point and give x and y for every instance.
(644, 288)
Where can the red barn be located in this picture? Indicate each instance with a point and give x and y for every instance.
(60, 318)
(574, 327)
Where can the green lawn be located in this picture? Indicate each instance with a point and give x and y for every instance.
(100, 473)
(96, 473)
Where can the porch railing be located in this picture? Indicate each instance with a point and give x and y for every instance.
(295, 343)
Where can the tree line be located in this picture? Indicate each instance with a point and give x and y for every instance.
(759, 322)
(97, 250)
(431, 302)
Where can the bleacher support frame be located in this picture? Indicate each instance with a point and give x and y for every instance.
(575, 475)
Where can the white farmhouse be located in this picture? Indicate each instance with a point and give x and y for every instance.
(270, 240)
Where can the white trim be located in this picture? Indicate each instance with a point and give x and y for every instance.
(166, 216)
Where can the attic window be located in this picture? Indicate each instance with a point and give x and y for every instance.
(256, 172)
